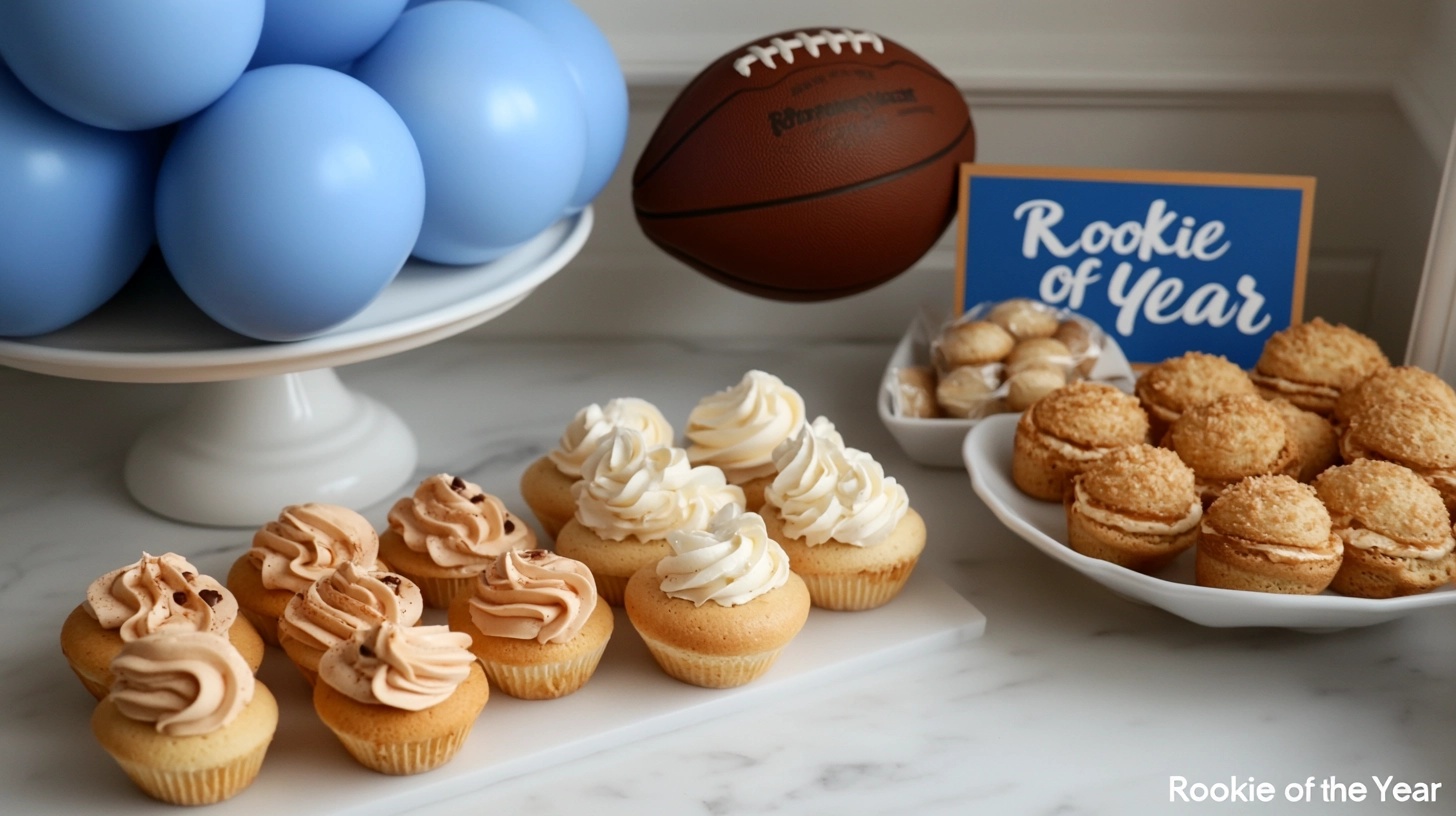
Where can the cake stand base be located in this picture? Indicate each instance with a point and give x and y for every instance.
(239, 451)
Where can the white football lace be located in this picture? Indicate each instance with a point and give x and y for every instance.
(784, 49)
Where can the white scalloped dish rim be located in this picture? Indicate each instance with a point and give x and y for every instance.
(987, 454)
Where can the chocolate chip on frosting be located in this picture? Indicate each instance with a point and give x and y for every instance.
(458, 485)
(365, 651)
(478, 498)
(209, 596)
(510, 526)
(179, 598)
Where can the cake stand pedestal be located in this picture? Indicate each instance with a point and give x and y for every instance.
(271, 424)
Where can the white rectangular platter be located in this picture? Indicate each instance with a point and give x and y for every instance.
(628, 699)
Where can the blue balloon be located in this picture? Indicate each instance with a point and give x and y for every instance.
(498, 119)
(603, 89)
(323, 32)
(286, 207)
(75, 212)
(127, 65)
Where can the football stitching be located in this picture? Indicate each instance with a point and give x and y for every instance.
(784, 49)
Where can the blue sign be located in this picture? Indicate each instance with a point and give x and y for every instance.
(1165, 262)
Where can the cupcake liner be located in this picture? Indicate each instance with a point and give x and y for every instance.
(858, 591)
(405, 758)
(545, 681)
(710, 671)
(439, 592)
(201, 786)
(611, 588)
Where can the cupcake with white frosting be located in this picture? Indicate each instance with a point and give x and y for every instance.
(401, 699)
(339, 604)
(185, 719)
(737, 430)
(158, 593)
(448, 532)
(718, 610)
(630, 497)
(305, 543)
(536, 624)
(546, 484)
(849, 529)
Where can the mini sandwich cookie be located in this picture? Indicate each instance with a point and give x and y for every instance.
(1268, 534)
(1419, 433)
(1137, 507)
(718, 611)
(737, 429)
(305, 543)
(1316, 443)
(546, 484)
(1067, 430)
(339, 604)
(849, 529)
(1311, 364)
(447, 533)
(536, 624)
(1389, 386)
(1231, 438)
(1173, 386)
(630, 497)
(159, 593)
(1396, 530)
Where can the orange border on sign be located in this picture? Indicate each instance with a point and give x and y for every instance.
(1305, 184)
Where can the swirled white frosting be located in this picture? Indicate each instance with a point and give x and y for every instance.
(592, 424)
(629, 488)
(825, 490)
(730, 563)
(738, 428)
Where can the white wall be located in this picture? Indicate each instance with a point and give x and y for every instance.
(1354, 92)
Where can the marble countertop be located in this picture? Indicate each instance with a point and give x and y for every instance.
(1074, 701)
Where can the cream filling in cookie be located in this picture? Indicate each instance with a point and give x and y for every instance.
(1084, 505)
(1283, 386)
(1285, 553)
(1371, 540)
(1069, 451)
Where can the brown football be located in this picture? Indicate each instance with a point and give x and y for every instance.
(808, 165)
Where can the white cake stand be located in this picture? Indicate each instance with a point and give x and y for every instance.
(270, 424)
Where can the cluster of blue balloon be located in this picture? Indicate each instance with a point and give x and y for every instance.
(320, 144)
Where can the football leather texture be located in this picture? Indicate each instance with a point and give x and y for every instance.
(809, 165)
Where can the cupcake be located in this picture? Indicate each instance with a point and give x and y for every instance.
(630, 496)
(1173, 386)
(1268, 534)
(535, 623)
(546, 484)
(1316, 443)
(447, 533)
(848, 529)
(1068, 429)
(1311, 364)
(307, 542)
(339, 604)
(1389, 386)
(185, 719)
(1419, 433)
(159, 593)
(718, 610)
(1233, 437)
(737, 429)
(1136, 507)
(401, 699)
(1395, 527)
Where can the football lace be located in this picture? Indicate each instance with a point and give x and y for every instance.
(784, 48)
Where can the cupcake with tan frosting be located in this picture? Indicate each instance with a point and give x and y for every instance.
(738, 428)
(546, 484)
(630, 497)
(185, 719)
(401, 699)
(305, 543)
(339, 604)
(719, 610)
(447, 533)
(159, 593)
(849, 530)
(536, 623)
